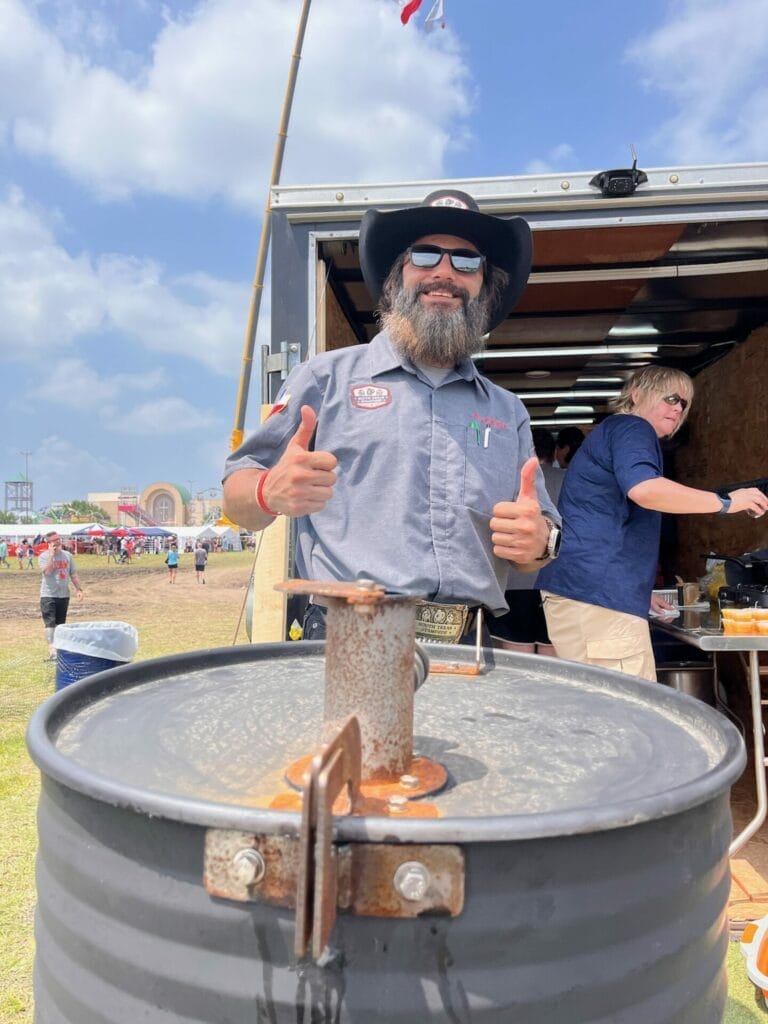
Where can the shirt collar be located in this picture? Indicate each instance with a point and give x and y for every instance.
(384, 356)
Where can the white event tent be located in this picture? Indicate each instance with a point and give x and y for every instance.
(14, 532)
(230, 539)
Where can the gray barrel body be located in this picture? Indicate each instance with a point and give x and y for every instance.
(565, 917)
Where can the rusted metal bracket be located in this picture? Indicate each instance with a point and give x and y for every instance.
(455, 668)
(336, 766)
(371, 879)
(317, 877)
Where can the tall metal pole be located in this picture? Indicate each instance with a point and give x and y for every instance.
(261, 260)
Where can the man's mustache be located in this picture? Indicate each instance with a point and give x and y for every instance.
(443, 286)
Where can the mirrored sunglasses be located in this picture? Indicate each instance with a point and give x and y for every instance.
(674, 399)
(425, 257)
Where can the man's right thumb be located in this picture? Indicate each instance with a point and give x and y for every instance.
(303, 436)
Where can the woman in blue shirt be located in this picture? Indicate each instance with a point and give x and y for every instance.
(172, 561)
(598, 591)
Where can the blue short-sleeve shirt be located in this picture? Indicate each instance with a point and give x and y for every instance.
(610, 545)
(420, 467)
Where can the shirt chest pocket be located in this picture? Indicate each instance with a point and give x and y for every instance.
(482, 465)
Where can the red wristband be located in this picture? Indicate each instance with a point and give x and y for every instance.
(260, 496)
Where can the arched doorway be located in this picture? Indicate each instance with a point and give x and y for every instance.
(162, 507)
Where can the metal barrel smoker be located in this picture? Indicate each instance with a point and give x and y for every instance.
(225, 838)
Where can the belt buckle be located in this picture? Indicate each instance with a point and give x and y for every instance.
(441, 623)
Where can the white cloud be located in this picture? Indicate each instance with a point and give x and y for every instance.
(207, 461)
(196, 315)
(72, 383)
(201, 118)
(558, 160)
(709, 58)
(83, 28)
(68, 471)
(49, 298)
(166, 416)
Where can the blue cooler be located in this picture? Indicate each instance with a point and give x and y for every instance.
(84, 648)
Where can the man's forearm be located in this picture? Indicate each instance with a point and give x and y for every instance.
(239, 502)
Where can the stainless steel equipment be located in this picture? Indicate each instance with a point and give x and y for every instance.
(696, 678)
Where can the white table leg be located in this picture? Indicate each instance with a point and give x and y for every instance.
(758, 747)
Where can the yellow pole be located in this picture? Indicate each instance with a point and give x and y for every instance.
(261, 259)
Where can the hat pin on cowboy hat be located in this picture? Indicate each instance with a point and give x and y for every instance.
(505, 242)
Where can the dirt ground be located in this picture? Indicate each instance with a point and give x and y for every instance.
(184, 616)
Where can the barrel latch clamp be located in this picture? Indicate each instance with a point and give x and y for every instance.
(310, 873)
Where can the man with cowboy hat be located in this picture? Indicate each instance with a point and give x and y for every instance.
(403, 463)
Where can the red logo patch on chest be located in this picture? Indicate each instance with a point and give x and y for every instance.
(370, 396)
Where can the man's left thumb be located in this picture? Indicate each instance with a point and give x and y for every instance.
(528, 479)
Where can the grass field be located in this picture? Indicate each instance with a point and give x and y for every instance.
(187, 616)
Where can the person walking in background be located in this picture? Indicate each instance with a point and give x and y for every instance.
(21, 552)
(4, 554)
(201, 557)
(568, 442)
(30, 557)
(58, 568)
(172, 561)
(598, 593)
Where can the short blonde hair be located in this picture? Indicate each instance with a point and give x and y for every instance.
(656, 382)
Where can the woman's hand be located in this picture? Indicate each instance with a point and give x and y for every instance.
(660, 606)
(749, 500)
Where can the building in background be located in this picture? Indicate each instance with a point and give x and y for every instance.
(160, 504)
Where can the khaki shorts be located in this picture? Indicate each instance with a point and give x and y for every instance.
(599, 636)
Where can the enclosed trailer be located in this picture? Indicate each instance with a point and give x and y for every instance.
(630, 267)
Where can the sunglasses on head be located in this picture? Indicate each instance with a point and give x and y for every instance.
(425, 257)
(674, 399)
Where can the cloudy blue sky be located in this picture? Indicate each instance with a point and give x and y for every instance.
(136, 141)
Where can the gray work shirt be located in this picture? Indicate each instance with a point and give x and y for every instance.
(419, 471)
(56, 584)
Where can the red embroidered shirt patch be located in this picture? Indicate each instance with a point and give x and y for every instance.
(370, 396)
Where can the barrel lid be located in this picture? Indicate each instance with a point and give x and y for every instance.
(534, 747)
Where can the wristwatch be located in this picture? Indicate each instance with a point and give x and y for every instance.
(553, 542)
(725, 503)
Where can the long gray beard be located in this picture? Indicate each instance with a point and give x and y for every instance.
(434, 336)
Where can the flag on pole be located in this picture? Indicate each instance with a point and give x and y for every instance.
(410, 8)
(437, 14)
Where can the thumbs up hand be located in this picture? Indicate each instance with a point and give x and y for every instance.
(303, 436)
(301, 481)
(519, 532)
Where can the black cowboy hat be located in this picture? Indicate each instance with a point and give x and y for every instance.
(505, 243)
